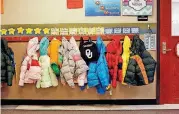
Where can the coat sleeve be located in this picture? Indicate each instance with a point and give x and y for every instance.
(114, 76)
(92, 75)
(53, 77)
(71, 64)
(39, 81)
(62, 79)
(81, 72)
(81, 79)
(67, 75)
(38, 84)
(9, 71)
(48, 49)
(3, 68)
(23, 70)
(103, 72)
(150, 65)
(60, 56)
(131, 72)
(109, 60)
(82, 76)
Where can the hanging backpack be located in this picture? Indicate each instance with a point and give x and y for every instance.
(88, 50)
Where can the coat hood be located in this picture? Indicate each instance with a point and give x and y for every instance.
(137, 46)
(64, 48)
(55, 41)
(73, 45)
(43, 46)
(126, 44)
(32, 46)
(114, 46)
(100, 45)
(64, 45)
(4, 45)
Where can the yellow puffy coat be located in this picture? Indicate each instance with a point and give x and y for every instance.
(125, 56)
(53, 51)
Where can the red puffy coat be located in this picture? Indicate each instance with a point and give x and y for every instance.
(114, 60)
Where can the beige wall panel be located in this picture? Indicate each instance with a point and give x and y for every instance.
(55, 11)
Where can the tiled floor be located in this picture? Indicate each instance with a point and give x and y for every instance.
(94, 107)
(91, 112)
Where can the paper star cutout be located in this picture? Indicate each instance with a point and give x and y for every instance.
(29, 31)
(46, 31)
(20, 30)
(3, 31)
(37, 30)
(11, 31)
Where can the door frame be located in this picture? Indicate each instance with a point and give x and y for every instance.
(158, 54)
(166, 94)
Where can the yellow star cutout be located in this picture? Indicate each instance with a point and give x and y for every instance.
(20, 30)
(11, 31)
(3, 32)
(29, 31)
(46, 31)
(37, 30)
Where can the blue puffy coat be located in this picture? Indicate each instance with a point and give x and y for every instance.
(98, 74)
(92, 75)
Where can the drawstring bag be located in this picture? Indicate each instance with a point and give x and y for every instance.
(88, 50)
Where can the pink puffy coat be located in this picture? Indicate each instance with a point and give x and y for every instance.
(30, 69)
(80, 65)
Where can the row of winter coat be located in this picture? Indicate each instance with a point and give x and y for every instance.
(91, 64)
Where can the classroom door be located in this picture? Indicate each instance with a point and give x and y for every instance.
(169, 62)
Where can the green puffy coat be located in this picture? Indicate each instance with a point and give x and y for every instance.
(7, 63)
(141, 67)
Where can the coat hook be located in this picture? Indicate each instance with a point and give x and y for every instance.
(148, 27)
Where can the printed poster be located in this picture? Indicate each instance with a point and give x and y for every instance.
(74, 4)
(2, 6)
(137, 7)
(102, 7)
(150, 41)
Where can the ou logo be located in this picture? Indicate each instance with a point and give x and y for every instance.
(89, 54)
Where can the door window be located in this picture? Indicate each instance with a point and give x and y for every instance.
(175, 18)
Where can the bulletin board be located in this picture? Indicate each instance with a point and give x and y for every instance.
(65, 18)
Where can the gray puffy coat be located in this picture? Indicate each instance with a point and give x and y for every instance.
(67, 68)
(73, 67)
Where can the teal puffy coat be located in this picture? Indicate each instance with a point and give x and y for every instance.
(48, 77)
